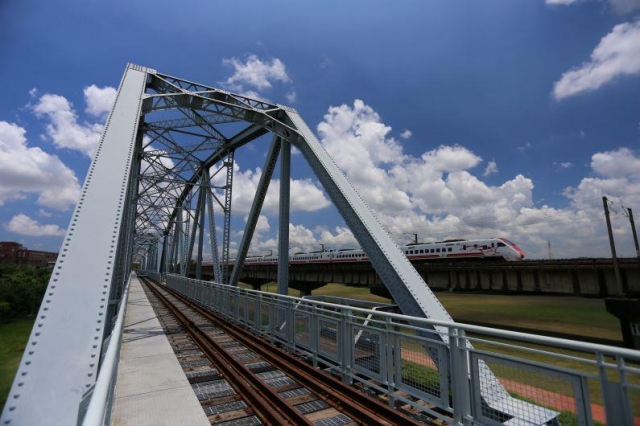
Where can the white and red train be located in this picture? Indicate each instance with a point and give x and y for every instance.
(492, 248)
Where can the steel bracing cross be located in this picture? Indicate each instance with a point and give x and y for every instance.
(163, 137)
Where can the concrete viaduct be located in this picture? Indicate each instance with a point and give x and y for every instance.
(577, 277)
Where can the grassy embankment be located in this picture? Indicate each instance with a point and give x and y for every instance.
(13, 339)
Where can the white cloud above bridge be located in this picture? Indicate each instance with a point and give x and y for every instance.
(22, 224)
(616, 56)
(26, 169)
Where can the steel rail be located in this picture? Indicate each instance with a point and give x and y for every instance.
(347, 399)
(267, 404)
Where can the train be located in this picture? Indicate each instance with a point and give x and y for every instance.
(500, 249)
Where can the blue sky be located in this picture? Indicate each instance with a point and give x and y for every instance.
(453, 119)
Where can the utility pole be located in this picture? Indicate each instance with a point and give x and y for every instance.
(633, 230)
(549, 252)
(415, 237)
(621, 290)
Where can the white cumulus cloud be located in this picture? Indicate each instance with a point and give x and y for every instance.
(621, 6)
(291, 96)
(439, 195)
(99, 100)
(617, 55)
(25, 170)
(23, 225)
(306, 195)
(255, 73)
(616, 164)
(64, 129)
(255, 76)
(562, 2)
(491, 169)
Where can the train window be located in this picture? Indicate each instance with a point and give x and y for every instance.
(432, 250)
(464, 247)
(449, 249)
(475, 246)
(437, 250)
(485, 247)
(493, 244)
(421, 251)
(502, 245)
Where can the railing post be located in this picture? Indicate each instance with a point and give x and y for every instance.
(314, 332)
(616, 403)
(345, 345)
(460, 386)
(273, 320)
(390, 347)
(290, 326)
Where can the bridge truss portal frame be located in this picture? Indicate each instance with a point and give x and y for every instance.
(137, 204)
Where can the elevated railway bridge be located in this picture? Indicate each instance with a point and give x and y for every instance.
(575, 277)
(112, 347)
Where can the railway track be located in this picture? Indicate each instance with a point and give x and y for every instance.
(239, 379)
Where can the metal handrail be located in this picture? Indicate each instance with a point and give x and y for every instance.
(507, 334)
(105, 382)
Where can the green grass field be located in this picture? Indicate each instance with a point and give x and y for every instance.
(13, 339)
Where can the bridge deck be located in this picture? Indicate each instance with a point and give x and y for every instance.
(150, 379)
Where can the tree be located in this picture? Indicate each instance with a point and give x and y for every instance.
(21, 290)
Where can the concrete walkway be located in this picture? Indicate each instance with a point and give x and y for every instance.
(151, 388)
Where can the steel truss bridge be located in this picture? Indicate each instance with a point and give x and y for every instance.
(161, 180)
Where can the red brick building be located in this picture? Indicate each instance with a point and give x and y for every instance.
(12, 253)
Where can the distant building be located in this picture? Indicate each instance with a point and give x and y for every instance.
(12, 253)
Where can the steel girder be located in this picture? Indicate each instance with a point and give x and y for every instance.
(256, 207)
(63, 353)
(140, 189)
(399, 276)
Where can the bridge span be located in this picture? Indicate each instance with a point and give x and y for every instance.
(577, 277)
(149, 198)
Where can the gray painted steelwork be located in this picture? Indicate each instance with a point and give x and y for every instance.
(377, 350)
(61, 359)
(140, 194)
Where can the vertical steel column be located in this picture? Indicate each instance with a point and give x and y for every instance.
(175, 243)
(194, 231)
(621, 289)
(283, 232)
(256, 207)
(163, 255)
(187, 233)
(227, 217)
(201, 208)
(633, 232)
(155, 256)
(150, 256)
(215, 254)
(180, 252)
